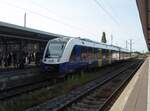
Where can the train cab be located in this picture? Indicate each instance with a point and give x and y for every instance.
(53, 53)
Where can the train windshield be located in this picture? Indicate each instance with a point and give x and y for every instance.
(55, 48)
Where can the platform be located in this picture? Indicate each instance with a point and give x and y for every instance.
(136, 96)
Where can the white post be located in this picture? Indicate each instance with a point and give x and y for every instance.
(25, 18)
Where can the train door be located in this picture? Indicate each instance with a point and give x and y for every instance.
(110, 57)
(77, 50)
(107, 57)
(104, 58)
(74, 61)
(75, 56)
(99, 57)
(120, 55)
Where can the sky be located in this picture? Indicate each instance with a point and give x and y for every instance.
(119, 19)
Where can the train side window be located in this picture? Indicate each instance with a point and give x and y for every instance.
(84, 53)
(88, 53)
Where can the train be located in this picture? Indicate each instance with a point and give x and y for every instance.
(65, 55)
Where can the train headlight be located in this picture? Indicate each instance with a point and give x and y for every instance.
(51, 60)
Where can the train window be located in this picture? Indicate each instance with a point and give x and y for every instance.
(88, 53)
(115, 55)
(83, 53)
(95, 54)
(55, 49)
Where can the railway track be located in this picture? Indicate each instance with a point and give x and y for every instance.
(93, 96)
(14, 78)
(98, 97)
(15, 82)
(8, 93)
(5, 70)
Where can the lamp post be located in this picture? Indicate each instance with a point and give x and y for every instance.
(111, 39)
(126, 44)
(25, 19)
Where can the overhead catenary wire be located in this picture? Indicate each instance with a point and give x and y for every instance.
(114, 19)
(107, 12)
(49, 18)
(111, 10)
(48, 10)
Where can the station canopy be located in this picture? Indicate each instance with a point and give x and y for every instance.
(144, 12)
(15, 31)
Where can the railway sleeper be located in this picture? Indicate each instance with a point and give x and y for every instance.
(88, 106)
(76, 108)
(97, 96)
(91, 102)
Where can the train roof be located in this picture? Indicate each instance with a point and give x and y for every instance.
(86, 41)
(106, 46)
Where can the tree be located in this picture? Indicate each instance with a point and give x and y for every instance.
(104, 38)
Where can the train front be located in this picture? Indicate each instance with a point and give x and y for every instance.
(52, 54)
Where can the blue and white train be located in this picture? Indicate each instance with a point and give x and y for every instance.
(64, 55)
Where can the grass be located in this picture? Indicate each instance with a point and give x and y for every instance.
(44, 94)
